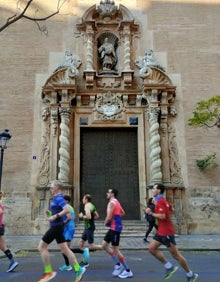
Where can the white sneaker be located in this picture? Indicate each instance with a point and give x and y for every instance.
(117, 270)
(126, 274)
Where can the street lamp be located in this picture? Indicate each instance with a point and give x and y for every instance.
(4, 137)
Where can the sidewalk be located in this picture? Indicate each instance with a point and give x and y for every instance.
(184, 242)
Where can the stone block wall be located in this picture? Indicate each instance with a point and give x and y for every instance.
(185, 37)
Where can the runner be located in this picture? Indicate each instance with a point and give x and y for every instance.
(58, 208)
(165, 236)
(88, 215)
(113, 220)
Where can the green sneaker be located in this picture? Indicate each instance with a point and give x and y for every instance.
(79, 274)
(170, 272)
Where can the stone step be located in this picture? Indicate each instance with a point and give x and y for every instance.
(135, 228)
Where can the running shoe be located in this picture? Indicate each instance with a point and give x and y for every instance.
(117, 270)
(170, 272)
(48, 276)
(84, 264)
(193, 278)
(86, 254)
(65, 268)
(126, 274)
(79, 274)
(12, 266)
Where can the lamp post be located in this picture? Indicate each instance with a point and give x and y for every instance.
(4, 137)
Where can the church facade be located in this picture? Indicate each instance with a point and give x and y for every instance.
(103, 102)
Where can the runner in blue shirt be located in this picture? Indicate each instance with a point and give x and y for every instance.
(58, 208)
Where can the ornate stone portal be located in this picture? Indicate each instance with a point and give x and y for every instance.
(112, 88)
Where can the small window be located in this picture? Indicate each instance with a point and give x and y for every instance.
(83, 121)
(133, 121)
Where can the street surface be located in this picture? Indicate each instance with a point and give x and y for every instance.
(143, 265)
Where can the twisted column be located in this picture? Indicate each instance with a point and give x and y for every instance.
(89, 51)
(64, 150)
(127, 51)
(155, 149)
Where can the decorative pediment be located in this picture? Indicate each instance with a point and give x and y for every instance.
(107, 11)
(153, 75)
(60, 86)
(64, 76)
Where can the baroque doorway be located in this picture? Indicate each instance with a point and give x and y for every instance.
(109, 159)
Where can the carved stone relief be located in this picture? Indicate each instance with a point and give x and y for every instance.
(109, 106)
(175, 168)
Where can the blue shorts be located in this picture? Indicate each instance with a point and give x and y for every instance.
(68, 234)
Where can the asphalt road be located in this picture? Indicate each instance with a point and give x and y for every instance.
(142, 264)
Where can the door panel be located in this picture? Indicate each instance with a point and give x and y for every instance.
(109, 159)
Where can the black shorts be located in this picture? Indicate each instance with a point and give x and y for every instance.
(55, 232)
(2, 230)
(112, 237)
(165, 240)
(88, 234)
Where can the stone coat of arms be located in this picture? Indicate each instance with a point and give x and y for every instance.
(109, 106)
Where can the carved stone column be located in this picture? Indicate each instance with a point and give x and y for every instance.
(127, 49)
(43, 177)
(164, 138)
(155, 149)
(49, 139)
(89, 49)
(64, 150)
(53, 140)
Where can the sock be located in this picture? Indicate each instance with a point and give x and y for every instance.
(114, 258)
(48, 268)
(123, 262)
(168, 265)
(189, 274)
(9, 255)
(76, 267)
(66, 260)
(77, 250)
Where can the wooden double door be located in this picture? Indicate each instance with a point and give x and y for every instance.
(109, 159)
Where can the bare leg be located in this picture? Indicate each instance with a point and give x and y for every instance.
(43, 249)
(106, 247)
(95, 247)
(66, 251)
(177, 256)
(3, 246)
(153, 249)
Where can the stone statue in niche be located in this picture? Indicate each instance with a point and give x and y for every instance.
(107, 56)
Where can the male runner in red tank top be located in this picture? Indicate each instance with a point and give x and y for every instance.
(113, 220)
